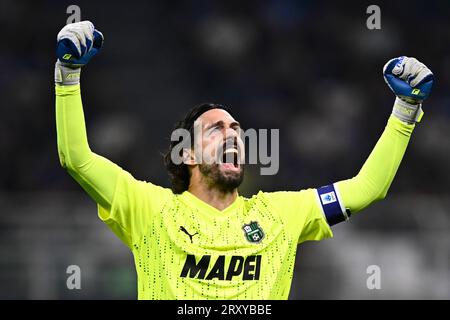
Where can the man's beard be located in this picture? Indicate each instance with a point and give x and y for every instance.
(224, 182)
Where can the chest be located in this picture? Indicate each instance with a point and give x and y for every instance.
(246, 229)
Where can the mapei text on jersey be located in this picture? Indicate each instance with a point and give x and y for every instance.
(248, 267)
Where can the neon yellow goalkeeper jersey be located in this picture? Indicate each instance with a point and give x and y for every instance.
(186, 249)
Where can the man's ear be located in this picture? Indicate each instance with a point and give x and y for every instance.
(189, 157)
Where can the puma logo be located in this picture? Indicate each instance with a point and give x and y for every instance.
(189, 235)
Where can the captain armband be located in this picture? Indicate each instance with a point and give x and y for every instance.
(332, 205)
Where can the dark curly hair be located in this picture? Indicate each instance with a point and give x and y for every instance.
(179, 173)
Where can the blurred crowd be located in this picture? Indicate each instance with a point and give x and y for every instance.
(309, 68)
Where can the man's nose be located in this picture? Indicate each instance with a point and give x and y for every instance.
(230, 133)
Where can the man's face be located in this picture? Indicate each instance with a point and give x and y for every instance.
(219, 150)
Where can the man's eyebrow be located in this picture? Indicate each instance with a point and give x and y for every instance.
(235, 124)
(215, 124)
(221, 123)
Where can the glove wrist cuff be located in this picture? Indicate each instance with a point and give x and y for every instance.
(65, 75)
(407, 112)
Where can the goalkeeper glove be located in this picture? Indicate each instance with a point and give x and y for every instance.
(76, 44)
(411, 82)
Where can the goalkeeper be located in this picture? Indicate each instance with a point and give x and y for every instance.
(201, 239)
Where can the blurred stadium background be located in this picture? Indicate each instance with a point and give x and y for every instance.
(312, 69)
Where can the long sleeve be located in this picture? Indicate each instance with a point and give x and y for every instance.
(97, 175)
(375, 177)
(125, 204)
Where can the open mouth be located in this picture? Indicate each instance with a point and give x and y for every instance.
(230, 155)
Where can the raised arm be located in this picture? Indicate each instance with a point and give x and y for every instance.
(411, 81)
(97, 175)
(125, 204)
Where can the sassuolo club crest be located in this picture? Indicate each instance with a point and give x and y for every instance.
(253, 232)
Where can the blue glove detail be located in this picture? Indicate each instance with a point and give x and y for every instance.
(68, 54)
(404, 75)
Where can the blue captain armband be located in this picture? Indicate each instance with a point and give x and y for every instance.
(331, 204)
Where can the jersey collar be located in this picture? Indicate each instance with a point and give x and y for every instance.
(191, 200)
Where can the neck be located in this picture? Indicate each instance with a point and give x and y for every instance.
(212, 196)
